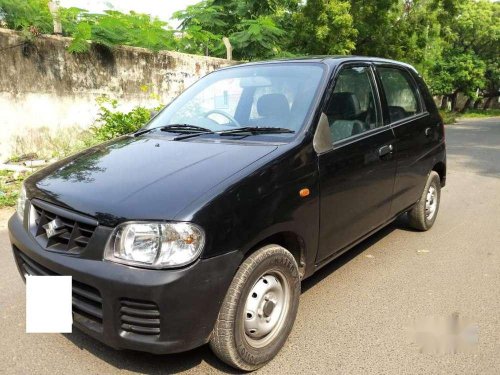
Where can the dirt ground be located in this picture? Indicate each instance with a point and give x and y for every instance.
(5, 214)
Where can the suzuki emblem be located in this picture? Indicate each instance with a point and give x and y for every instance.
(54, 228)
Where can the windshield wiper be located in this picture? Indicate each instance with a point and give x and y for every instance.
(188, 128)
(256, 130)
(247, 129)
(191, 135)
(194, 131)
(184, 127)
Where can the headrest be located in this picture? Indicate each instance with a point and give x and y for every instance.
(344, 105)
(273, 105)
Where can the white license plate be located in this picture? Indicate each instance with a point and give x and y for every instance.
(48, 304)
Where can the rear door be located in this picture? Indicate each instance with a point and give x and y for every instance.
(357, 175)
(415, 129)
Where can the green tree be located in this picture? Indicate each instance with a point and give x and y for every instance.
(324, 27)
(457, 72)
(115, 28)
(202, 26)
(256, 28)
(470, 53)
(27, 15)
(257, 38)
(484, 28)
(70, 19)
(374, 21)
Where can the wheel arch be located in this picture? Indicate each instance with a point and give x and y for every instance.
(440, 169)
(291, 241)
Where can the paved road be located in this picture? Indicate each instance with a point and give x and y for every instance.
(352, 314)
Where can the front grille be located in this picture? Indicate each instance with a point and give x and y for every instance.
(71, 232)
(87, 301)
(140, 317)
(32, 268)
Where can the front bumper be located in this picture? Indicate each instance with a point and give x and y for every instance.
(187, 299)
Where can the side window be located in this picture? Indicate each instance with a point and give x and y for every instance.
(400, 92)
(352, 108)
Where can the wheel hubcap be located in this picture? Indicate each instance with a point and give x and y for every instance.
(265, 309)
(431, 203)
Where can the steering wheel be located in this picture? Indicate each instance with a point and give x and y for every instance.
(232, 120)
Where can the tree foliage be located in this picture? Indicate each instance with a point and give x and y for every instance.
(324, 28)
(115, 28)
(26, 14)
(256, 28)
(201, 25)
(258, 37)
(471, 48)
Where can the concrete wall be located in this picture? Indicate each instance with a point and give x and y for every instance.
(42, 85)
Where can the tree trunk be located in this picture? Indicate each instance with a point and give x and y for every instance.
(466, 105)
(444, 102)
(54, 10)
(477, 103)
(229, 48)
(454, 101)
(487, 102)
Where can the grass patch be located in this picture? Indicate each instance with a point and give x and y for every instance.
(481, 113)
(450, 117)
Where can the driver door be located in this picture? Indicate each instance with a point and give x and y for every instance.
(357, 175)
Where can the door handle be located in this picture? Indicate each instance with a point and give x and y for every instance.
(428, 132)
(385, 150)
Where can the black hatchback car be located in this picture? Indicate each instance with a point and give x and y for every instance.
(200, 227)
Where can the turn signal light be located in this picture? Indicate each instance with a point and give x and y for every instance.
(304, 192)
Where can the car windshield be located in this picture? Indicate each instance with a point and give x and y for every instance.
(263, 96)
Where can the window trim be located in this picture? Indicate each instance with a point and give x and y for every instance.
(423, 109)
(376, 87)
(358, 137)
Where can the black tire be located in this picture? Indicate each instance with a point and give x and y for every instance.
(229, 341)
(418, 217)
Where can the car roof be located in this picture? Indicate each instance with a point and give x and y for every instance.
(331, 61)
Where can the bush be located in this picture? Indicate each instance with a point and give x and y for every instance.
(449, 117)
(112, 123)
(10, 183)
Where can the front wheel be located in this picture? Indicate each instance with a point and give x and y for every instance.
(423, 214)
(259, 309)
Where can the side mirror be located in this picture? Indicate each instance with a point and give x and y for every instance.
(153, 113)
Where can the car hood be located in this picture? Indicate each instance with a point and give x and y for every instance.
(141, 178)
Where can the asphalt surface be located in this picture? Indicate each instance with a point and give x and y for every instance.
(355, 313)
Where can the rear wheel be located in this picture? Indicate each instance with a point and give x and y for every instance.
(423, 214)
(259, 309)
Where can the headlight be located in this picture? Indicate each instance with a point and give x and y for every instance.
(155, 245)
(21, 202)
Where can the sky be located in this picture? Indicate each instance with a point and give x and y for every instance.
(163, 9)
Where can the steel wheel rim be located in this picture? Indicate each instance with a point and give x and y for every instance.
(266, 308)
(431, 202)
